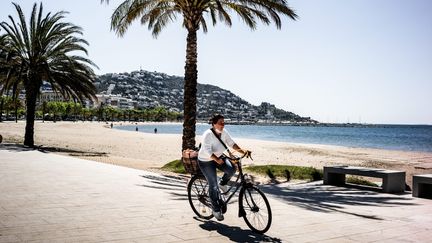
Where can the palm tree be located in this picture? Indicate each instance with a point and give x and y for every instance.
(2, 57)
(158, 13)
(44, 50)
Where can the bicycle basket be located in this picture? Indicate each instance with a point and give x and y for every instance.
(190, 161)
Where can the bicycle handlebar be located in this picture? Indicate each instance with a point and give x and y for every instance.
(247, 154)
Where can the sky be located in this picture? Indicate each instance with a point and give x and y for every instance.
(364, 61)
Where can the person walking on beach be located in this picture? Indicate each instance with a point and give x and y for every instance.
(211, 156)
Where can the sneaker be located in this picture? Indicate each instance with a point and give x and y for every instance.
(218, 215)
(223, 188)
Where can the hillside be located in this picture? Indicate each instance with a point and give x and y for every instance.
(151, 89)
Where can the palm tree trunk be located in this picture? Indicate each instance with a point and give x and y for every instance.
(1, 108)
(190, 91)
(14, 100)
(43, 111)
(16, 112)
(31, 97)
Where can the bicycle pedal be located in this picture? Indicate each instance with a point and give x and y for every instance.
(224, 194)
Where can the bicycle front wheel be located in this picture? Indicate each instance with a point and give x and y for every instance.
(198, 196)
(257, 212)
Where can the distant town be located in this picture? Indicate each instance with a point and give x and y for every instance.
(144, 89)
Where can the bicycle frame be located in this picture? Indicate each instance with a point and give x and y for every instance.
(242, 184)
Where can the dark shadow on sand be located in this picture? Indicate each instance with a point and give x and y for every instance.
(71, 152)
(14, 147)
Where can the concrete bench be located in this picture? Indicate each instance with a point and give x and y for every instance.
(392, 181)
(422, 186)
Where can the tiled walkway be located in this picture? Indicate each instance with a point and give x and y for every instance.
(50, 198)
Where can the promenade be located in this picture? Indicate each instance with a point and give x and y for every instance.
(46, 197)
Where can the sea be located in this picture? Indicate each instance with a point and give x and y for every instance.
(392, 137)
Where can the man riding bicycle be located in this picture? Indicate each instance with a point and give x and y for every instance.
(210, 156)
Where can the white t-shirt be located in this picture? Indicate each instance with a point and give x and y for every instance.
(211, 145)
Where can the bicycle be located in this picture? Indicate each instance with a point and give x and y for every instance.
(253, 204)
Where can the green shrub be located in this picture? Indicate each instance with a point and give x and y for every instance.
(175, 166)
(287, 171)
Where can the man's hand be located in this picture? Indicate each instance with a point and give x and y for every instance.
(248, 154)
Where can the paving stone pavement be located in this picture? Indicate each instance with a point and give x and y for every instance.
(46, 197)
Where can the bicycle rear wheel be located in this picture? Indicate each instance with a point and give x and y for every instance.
(198, 197)
(257, 212)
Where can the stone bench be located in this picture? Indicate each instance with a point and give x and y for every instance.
(422, 186)
(392, 181)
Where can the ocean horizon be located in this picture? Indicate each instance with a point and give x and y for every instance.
(379, 136)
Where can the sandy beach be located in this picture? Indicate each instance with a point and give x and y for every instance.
(97, 141)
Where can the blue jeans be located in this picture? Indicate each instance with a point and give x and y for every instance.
(208, 168)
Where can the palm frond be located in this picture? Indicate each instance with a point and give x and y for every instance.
(223, 14)
(44, 50)
(203, 25)
(163, 18)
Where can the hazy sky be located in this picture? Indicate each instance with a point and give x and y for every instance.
(366, 61)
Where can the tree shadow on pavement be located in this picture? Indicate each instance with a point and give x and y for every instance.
(174, 185)
(235, 233)
(323, 198)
